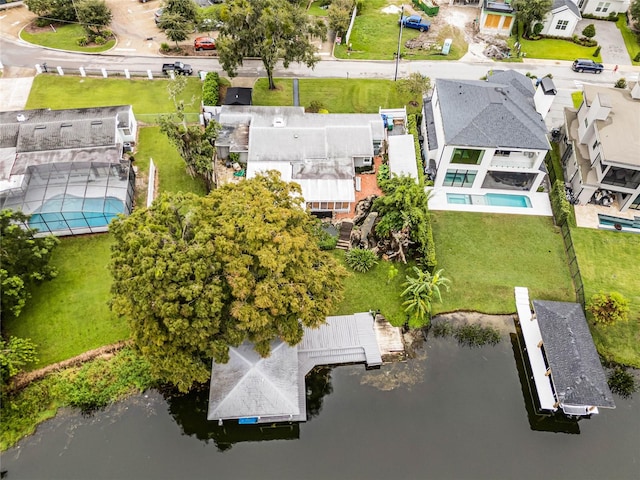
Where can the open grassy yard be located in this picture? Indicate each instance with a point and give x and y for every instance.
(70, 314)
(609, 261)
(487, 255)
(630, 39)
(316, 10)
(371, 291)
(146, 96)
(337, 95)
(375, 37)
(65, 37)
(577, 98)
(553, 49)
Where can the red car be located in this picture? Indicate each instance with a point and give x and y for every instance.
(204, 43)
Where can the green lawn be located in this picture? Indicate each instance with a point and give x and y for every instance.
(375, 37)
(171, 167)
(146, 96)
(70, 315)
(487, 255)
(576, 98)
(315, 10)
(65, 37)
(370, 291)
(630, 39)
(609, 262)
(337, 95)
(553, 49)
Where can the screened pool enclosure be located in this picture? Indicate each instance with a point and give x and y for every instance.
(72, 198)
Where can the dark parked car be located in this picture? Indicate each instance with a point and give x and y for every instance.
(585, 65)
(415, 21)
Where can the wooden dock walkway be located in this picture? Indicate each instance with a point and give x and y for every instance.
(389, 340)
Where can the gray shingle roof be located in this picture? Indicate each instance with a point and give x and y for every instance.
(566, 3)
(576, 370)
(62, 135)
(499, 112)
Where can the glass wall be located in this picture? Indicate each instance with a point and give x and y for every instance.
(467, 156)
(459, 178)
(509, 180)
(74, 198)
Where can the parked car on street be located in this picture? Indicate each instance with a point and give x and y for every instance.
(204, 43)
(415, 21)
(178, 68)
(585, 65)
(158, 15)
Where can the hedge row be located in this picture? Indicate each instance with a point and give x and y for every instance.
(559, 203)
(211, 89)
(412, 127)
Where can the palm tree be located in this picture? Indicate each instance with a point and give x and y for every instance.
(419, 293)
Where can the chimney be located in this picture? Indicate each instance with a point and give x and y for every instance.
(635, 91)
(544, 96)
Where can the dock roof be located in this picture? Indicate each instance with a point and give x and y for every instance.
(576, 370)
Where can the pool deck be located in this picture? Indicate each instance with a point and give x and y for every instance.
(587, 215)
(540, 205)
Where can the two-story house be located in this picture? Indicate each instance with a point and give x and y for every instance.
(600, 153)
(485, 143)
(602, 8)
(561, 21)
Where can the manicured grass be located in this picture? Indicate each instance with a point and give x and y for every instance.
(65, 37)
(172, 175)
(70, 314)
(630, 38)
(609, 262)
(487, 255)
(375, 37)
(316, 11)
(146, 96)
(577, 98)
(337, 95)
(370, 291)
(553, 49)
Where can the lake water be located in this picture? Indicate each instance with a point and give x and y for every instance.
(451, 413)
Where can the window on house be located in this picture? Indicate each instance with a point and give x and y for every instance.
(562, 24)
(509, 180)
(467, 156)
(586, 124)
(622, 177)
(603, 7)
(636, 203)
(502, 153)
(459, 178)
(126, 131)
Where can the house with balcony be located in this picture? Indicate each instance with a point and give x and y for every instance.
(600, 148)
(561, 21)
(485, 143)
(497, 17)
(320, 152)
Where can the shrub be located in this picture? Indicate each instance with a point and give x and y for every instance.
(383, 174)
(211, 89)
(326, 241)
(412, 128)
(164, 47)
(82, 41)
(613, 16)
(315, 106)
(537, 28)
(442, 329)
(476, 335)
(608, 309)
(99, 40)
(559, 203)
(597, 52)
(589, 31)
(637, 57)
(621, 83)
(622, 382)
(360, 259)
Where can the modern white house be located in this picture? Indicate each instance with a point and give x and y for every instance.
(321, 152)
(603, 8)
(485, 143)
(66, 168)
(561, 21)
(497, 17)
(600, 151)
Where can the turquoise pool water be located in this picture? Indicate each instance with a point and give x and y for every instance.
(492, 199)
(68, 212)
(619, 223)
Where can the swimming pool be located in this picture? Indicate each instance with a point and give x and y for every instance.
(66, 212)
(609, 222)
(491, 199)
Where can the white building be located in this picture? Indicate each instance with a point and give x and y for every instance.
(561, 21)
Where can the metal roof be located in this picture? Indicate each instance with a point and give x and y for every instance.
(576, 370)
(273, 389)
(402, 155)
(499, 112)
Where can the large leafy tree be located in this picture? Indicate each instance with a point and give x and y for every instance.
(419, 293)
(271, 30)
(634, 10)
(94, 15)
(530, 12)
(194, 275)
(53, 10)
(24, 260)
(339, 15)
(175, 27)
(15, 353)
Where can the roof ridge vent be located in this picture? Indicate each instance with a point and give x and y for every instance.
(21, 117)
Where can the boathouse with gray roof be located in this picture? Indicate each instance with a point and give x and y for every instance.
(252, 389)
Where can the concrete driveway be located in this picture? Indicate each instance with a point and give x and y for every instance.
(613, 51)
